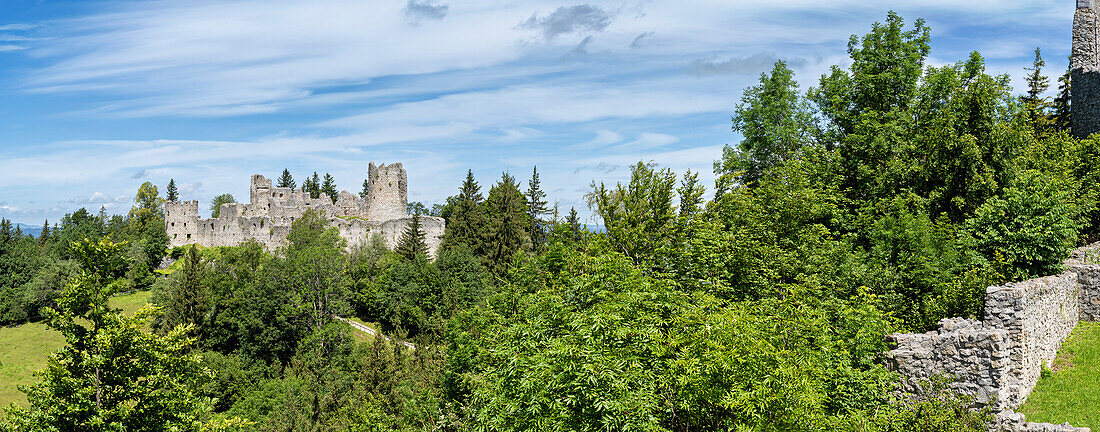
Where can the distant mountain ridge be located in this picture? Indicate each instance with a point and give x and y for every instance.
(30, 229)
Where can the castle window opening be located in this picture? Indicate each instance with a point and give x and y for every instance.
(173, 224)
(189, 236)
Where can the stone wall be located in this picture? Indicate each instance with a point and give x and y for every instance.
(1085, 69)
(1037, 314)
(386, 192)
(999, 359)
(270, 211)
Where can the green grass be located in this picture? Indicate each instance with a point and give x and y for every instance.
(24, 349)
(1071, 393)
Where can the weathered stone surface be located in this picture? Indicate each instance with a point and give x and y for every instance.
(1085, 70)
(271, 210)
(998, 360)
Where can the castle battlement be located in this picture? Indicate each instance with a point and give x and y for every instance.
(270, 211)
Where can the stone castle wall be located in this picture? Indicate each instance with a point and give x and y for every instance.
(999, 359)
(270, 211)
(1085, 69)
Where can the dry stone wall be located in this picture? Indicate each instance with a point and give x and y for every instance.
(999, 359)
(270, 211)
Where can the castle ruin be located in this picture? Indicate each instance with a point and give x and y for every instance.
(1085, 69)
(270, 211)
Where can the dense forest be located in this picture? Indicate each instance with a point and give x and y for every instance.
(886, 196)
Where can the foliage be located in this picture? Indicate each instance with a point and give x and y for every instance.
(286, 180)
(216, 204)
(1029, 230)
(172, 193)
(112, 375)
(412, 242)
(775, 122)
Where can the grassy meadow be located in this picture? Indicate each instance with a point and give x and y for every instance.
(1071, 391)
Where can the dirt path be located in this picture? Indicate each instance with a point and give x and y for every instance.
(374, 332)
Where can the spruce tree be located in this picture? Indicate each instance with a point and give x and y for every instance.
(536, 208)
(574, 223)
(412, 242)
(286, 180)
(173, 193)
(313, 186)
(329, 188)
(466, 219)
(1062, 108)
(45, 235)
(507, 229)
(366, 188)
(1035, 104)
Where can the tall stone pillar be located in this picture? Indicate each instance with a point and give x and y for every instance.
(1085, 70)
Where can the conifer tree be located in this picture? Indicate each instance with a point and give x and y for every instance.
(466, 218)
(1062, 108)
(173, 193)
(184, 299)
(286, 180)
(6, 233)
(536, 208)
(507, 229)
(366, 188)
(312, 185)
(329, 188)
(574, 223)
(412, 241)
(1035, 104)
(44, 237)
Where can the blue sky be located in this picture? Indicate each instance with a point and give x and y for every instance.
(100, 96)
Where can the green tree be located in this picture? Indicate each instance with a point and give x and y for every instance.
(44, 237)
(506, 232)
(184, 296)
(366, 189)
(465, 215)
(416, 208)
(112, 374)
(173, 193)
(412, 242)
(286, 180)
(536, 208)
(1061, 108)
(1036, 105)
(148, 204)
(775, 122)
(314, 269)
(574, 224)
(329, 188)
(313, 186)
(216, 204)
(639, 217)
(1028, 230)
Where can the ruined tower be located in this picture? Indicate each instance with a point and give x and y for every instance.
(386, 197)
(1085, 69)
(270, 213)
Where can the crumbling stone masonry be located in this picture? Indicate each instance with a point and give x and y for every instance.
(269, 212)
(998, 360)
(1085, 69)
